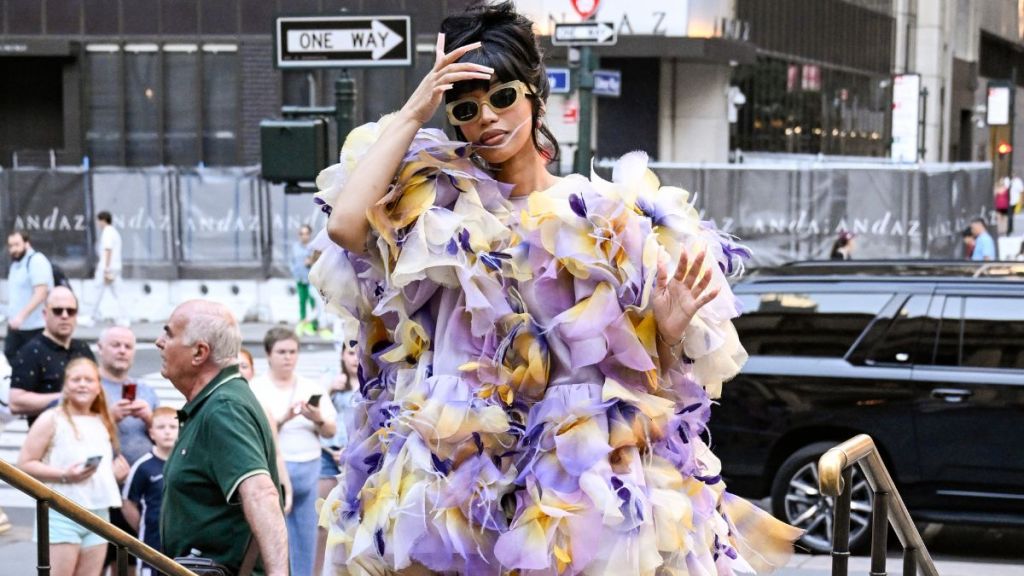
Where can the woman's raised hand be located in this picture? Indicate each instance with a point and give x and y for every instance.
(677, 299)
(445, 73)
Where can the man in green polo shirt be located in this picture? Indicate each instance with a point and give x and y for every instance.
(220, 481)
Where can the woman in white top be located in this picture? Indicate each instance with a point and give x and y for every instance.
(72, 448)
(303, 415)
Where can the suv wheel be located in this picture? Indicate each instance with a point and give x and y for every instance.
(797, 500)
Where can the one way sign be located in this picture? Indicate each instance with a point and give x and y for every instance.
(584, 33)
(342, 41)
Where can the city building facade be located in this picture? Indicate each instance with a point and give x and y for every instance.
(186, 82)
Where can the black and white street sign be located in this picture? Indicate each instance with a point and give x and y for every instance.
(343, 41)
(584, 34)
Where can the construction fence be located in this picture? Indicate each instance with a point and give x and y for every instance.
(227, 223)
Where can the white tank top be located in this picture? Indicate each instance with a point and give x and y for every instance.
(73, 445)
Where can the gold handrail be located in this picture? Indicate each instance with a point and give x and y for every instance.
(861, 450)
(39, 491)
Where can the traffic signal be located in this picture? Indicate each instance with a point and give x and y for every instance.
(1004, 148)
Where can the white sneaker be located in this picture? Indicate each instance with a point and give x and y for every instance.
(86, 321)
(124, 323)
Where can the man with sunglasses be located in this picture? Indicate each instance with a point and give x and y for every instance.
(37, 373)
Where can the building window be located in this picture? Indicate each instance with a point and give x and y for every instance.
(181, 107)
(175, 104)
(103, 137)
(142, 104)
(802, 108)
(220, 104)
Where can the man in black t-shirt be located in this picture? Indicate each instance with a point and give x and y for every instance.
(37, 373)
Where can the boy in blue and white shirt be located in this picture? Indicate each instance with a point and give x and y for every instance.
(144, 487)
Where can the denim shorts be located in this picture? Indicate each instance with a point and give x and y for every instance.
(328, 469)
(63, 530)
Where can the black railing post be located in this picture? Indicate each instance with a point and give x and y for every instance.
(43, 537)
(122, 561)
(879, 532)
(910, 562)
(841, 527)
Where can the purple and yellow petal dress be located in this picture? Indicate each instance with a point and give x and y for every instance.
(514, 418)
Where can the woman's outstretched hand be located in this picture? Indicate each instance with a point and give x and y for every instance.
(677, 299)
(445, 73)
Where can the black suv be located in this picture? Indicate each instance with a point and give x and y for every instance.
(926, 357)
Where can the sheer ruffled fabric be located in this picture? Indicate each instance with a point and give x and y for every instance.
(514, 415)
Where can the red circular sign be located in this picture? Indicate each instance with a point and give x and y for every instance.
(585, 8)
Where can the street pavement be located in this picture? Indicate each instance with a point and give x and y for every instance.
(957, 550)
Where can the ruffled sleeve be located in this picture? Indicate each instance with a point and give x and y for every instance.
(610, 236)
(711, 344)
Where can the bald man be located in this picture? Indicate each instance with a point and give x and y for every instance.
(37, 373)
(131, 402)
(221, 487)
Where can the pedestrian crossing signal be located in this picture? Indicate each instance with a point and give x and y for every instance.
(1004, 148)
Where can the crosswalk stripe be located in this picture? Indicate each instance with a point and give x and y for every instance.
(312, 364)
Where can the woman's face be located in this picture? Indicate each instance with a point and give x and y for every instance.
(350, 360)
(283, 357)
(81, 385)
(245, 367)
(496, 129)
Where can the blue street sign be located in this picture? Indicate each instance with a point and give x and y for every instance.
(558, 78)
(608, 83)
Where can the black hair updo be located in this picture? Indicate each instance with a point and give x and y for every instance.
(509, 46)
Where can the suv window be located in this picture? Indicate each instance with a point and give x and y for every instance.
(900, 343)
(947, 318)
(993, 332)
(793, 323)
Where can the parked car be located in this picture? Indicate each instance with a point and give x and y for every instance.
(926, 357)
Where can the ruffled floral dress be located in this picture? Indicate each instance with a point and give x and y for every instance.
(514, 416)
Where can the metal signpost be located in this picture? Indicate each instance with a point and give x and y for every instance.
(584, 35)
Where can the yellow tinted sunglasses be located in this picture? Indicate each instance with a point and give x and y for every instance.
(500, 97)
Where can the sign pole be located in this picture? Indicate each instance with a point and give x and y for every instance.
(583, 154)
(344, 105)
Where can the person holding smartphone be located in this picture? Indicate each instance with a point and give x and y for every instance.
(74, 449)
(302, 417)
(131, 404)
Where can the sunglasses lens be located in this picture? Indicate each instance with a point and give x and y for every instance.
(504, 98)
(465, 111)
(62, 311)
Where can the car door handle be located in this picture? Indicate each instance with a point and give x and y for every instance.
(951, 395)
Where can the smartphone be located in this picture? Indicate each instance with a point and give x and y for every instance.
(128, 391)
(314, 400)
(92, 461)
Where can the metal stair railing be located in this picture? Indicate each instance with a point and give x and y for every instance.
(46, 498)
(835, 468)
